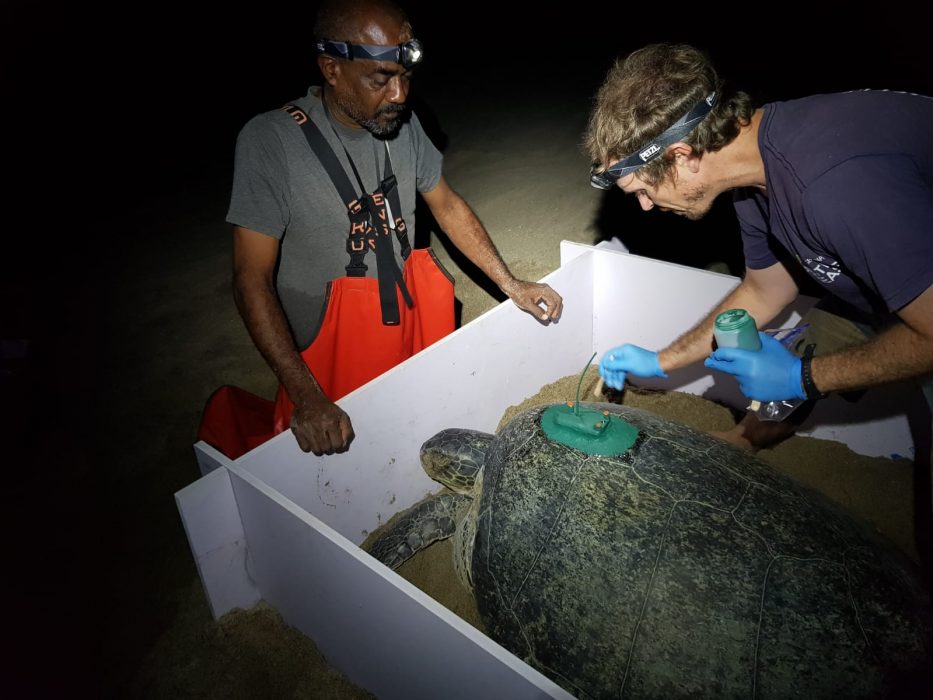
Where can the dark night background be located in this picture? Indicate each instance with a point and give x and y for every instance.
(119, 118)
(182, 82)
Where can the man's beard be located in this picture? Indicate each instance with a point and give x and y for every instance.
(697, 195)
(373, 125)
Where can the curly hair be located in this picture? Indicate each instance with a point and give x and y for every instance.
(650, 89)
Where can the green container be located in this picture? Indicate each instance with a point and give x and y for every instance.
(736, 328)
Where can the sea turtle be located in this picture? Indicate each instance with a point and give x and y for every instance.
(682, 567)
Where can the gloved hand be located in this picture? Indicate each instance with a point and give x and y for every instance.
(628, 358)
(770, 374)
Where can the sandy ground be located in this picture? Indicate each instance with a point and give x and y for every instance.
(132, 325)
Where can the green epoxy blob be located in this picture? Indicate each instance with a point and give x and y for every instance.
(588, 430)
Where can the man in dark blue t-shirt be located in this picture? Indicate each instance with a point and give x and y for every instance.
(840, 185)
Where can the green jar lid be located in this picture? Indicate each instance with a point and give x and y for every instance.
(733, 319)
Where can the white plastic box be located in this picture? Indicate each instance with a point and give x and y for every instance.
(284, 526)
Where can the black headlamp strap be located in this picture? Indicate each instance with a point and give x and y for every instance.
(407, 54)
(674, 133)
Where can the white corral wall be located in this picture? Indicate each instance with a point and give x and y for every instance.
(284, 526)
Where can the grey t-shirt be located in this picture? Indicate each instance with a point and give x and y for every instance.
(281, 189)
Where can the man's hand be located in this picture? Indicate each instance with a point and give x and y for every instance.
(529, 296)
(321, 427)
(628, 358)
(770, 374)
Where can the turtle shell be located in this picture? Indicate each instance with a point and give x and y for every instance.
(685, 567)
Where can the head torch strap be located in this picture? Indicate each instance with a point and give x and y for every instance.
(407, 54)
(672, 134)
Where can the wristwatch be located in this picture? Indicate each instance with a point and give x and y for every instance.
(806, 375)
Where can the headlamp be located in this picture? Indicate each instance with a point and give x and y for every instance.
(407, 54)
(632, 162)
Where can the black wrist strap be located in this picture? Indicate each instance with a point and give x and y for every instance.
(806, 375)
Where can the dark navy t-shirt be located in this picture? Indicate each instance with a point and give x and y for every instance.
(849, 194)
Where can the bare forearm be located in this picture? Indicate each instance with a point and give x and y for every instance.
(467, 232)
(262, 313)
(697, 343)
(898, 353)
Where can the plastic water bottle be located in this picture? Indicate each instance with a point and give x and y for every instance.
(736, 328)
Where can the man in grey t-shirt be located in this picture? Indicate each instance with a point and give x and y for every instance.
(291, 225)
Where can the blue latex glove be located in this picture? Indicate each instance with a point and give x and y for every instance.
(628, 358)
(770, 374)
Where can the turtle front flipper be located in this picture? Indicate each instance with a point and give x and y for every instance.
(424, 523)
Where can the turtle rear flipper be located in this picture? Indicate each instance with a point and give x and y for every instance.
(424, 523)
